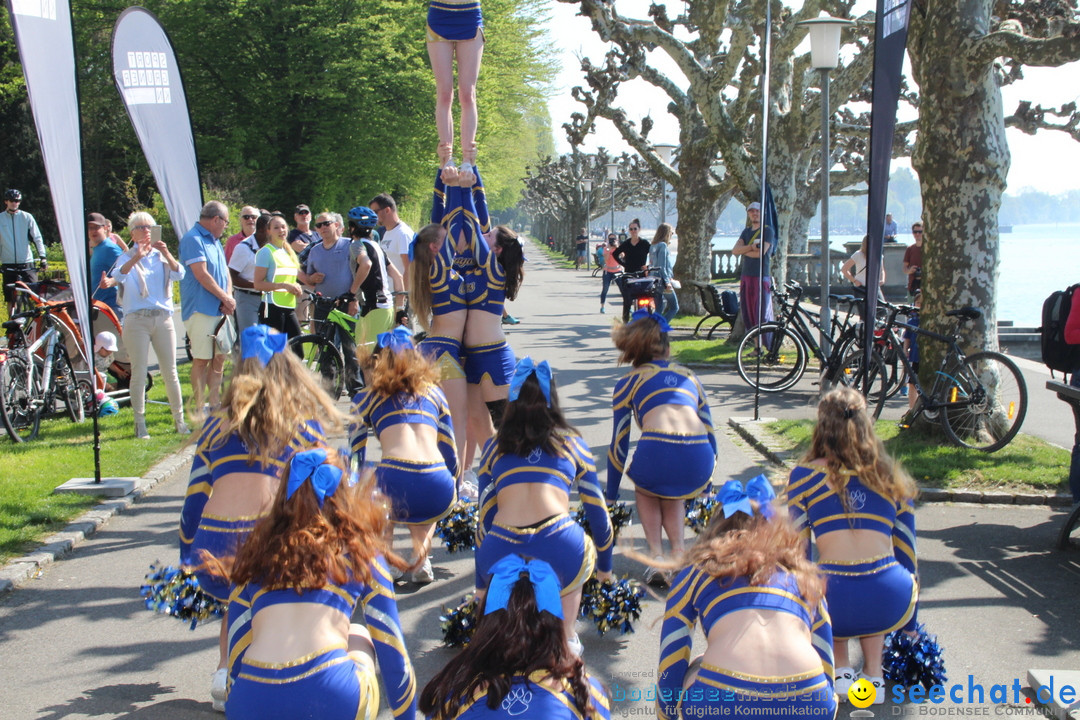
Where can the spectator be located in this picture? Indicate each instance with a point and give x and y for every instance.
(611, 269)
(276, 269)
(248, 217)
(632, 254)
(1072, 337)
(581, 248)
(242, 274)
(113, 236)
(890, 229)
(103, 255)
(667, 304)
(754, 246)
(18, 229)
(395, 241)
(302, 236)
(913, 260)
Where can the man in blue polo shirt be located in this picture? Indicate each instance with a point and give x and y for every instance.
(205, 296)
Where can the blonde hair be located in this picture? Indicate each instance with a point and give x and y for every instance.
(408, 372)
(844, 438)
(420, 272)
(285, 244)
(663, 233)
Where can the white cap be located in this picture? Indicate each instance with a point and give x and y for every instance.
(105, 341)
(754, 206)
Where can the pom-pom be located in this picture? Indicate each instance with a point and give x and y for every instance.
(174, 591)
(700, 510)
(459, 624)
(914, 661)
(619, 512)
(458, 529)
(611, 605)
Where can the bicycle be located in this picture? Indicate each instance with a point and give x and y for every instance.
(320, 352)
(979, 399)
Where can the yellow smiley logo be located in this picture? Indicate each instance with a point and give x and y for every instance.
(861, 693)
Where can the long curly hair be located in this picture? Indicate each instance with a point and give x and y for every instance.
(513, 642)
(266, 406)
(301, 545)
(420, 272)
(512, 259)
(640, 342)
(408, 371)
(844, 438)
(528, 423)
(756, 547)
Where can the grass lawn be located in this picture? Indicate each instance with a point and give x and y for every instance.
(29, 511)
(1027, 464)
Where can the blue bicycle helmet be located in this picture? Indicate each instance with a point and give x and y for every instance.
(363, 216)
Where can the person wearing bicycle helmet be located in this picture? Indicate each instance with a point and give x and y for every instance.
(18, 229)
(327, 269)
(372, 276)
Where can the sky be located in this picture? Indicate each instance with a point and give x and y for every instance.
(1047, 161)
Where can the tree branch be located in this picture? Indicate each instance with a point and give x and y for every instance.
(1042, 52)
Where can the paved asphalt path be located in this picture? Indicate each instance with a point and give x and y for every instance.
(77, 643)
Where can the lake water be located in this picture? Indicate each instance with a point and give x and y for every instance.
(1035, 261)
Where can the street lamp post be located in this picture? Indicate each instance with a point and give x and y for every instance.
(664, 150)
(612, 175)
(586, 185)
(825, 56)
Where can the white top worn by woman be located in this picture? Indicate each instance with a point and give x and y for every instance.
(148, 285)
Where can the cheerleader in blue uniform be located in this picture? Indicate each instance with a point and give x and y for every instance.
(267, 414)
(760, 604)
(518, 665)
(316, 559)
(409, 414)
(859, 506)
(455, 29)
(669, 405)
(526, 474)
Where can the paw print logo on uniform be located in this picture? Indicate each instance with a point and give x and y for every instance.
(671, 380)
(535, 456)
(857, 499)
(517, 701)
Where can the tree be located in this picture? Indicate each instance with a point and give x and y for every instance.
(961, 53)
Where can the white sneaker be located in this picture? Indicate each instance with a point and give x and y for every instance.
(219, 689)
(468, 490)
(396, 574)
(879, 687)
(424, 574)
(574, 643)
(845, 678)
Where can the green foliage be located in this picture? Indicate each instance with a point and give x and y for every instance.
(715, 351)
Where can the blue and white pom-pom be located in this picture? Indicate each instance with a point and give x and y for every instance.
(458, 529)
(914, 661)
(700, 510)
(459, 625)
(619, 512)
(611, 605)
(174, 591)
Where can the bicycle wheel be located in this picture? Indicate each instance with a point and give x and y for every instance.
(873, 384)
(985, 403)
(66, 386)
(782, 355)
(1070, 531)
(323, 359)
(20, 407)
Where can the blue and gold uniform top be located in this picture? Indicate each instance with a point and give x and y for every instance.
(644, 388)
(816, 508)
(371, 410)
(454, 19)
(533, 699)
(447, 285)
(218, 454)
(696, 594)
(573, 464)
(484, 278)
(380, 615)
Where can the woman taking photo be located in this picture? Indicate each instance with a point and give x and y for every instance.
(859, 506)
(526, 474)
(759, 601)
(146, 273)
(276, 268)
(518, 661)
(669, 404)
(408, 412)
(268, 412)
(667, 304)
(315, 559)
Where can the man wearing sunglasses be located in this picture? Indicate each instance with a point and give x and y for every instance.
(913, 260)
(303, 232)
(248, 216)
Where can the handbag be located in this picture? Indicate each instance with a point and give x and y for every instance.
(225, 335)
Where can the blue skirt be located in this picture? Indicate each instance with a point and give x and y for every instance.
(869, 597)
(559, 541)
(449, 20)
(717, 692)
(421, 492)
(672, 466)
(222, 538)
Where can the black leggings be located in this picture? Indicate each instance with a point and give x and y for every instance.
(279, 318)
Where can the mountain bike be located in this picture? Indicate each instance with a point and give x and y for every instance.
(320, 351)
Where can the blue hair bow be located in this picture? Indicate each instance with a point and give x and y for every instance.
(398, 339)
(648, 314)
(735, 499)
(412, 246)
(311, 464)
(506, 572)
(263, 342)
(523, 370)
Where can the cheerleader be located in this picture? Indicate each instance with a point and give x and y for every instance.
(858, 505)
(769, 641)
(669, 405)
(455, 30)
(409, 414)
(267, 414)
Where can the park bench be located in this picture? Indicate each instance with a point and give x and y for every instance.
(714, 308)
(1070, 395)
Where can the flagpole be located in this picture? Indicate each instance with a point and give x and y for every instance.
(765, 53)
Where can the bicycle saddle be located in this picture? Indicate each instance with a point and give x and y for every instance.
(966, 313)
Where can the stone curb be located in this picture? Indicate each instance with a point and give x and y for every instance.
(21, 569)
(759, 438)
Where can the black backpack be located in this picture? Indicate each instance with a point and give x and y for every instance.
(1056, 353)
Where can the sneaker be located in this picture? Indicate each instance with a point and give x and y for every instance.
(903, 391)
(655, 576)
(845, 678)
(574, 643)
(510, 320)
(396, 574)
(182, 428)
(424, 574)
(468, 490)
(879, 687)
(219, 689)
(602, 310)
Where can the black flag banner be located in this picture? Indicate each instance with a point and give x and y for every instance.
(148, 78)
(890, 42)
(43, 35)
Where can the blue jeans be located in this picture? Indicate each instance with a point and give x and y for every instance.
(667, 304)
(607, 283)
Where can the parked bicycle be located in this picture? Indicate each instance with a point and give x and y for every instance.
(321, 350)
